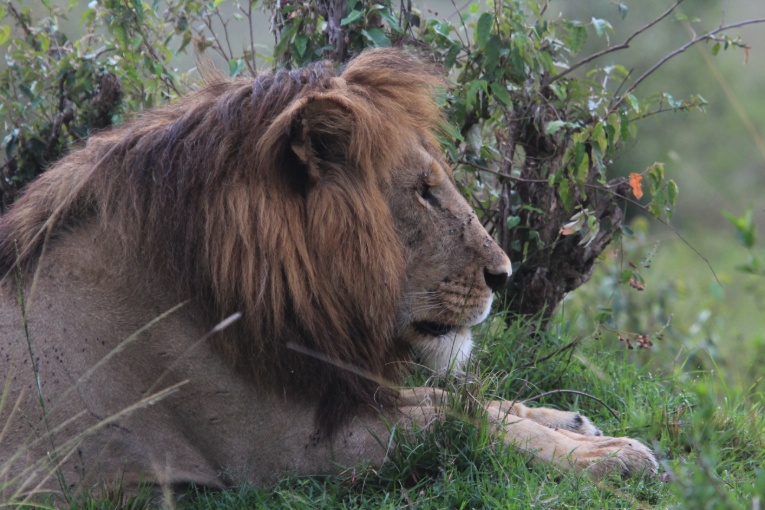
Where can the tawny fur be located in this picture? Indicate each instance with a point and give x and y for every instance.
(312, 202)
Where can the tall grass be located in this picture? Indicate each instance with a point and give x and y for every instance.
(708, 435)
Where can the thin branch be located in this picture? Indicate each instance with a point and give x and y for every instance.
(614, 193)
(254, 66)
(618, 47)
(566, 347)
(166, 78)
(23, 24)
(467, 34)
(217, 46)
(224, 24)
(581, 393)
(681, 49)
(666, 224)
(498, 173)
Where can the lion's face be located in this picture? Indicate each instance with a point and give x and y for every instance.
(453, 265)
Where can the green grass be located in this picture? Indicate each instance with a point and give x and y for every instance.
(708, 436)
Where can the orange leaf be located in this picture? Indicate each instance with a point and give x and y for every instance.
(637, 189)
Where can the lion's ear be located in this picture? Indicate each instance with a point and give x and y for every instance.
(321, 135)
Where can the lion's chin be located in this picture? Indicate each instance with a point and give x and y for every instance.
(448, 350)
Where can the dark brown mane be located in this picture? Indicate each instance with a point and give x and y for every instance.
(214, 190)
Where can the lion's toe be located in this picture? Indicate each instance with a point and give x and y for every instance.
(582, 425)
(628, 457)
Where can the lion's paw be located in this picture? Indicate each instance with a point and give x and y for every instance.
(602, 455)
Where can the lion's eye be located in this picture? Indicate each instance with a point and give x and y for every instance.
(427, 195)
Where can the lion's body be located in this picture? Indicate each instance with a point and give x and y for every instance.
(314, 215)
(210, 431)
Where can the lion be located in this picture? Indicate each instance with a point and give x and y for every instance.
(230, 288)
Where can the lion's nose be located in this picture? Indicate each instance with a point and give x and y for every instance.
(496, 278)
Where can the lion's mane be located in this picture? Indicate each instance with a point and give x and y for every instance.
(209, 191)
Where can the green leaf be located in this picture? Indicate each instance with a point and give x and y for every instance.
(745, 228)
(656, 174)
(451, 56)
(554, 126)
(599, 135)
(501, 93)
(601, 26)
(483, 28)
(603, 315)
(5, 33)
(716, 49)
(287, 36)
(513, 221)
(452, 132)
(623, 10)
(352, 17)
(577, 38)
(579, 153)
(634, 103)
(390, 18)
(216, 3)
(547, 62)
(135, 42)
(376, 37)
(472, 93)
(624, 125)
(564, 190)
(235, 67)
(443, 28)
(491, 52)
(301, 41)
(583, 169)
(672, 191)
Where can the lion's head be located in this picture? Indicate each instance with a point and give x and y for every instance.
(316, 204)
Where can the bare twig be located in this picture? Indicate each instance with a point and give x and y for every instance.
(217, 46)
(618, 47)
(224, 24)
(566, 347)
(253, 66)
(166, 76)
(581, 393)
(606, 189)
(23, 24)
(465, 45)
(664, 223)
(681, 49)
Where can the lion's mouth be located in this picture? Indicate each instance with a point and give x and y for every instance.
(433, 328)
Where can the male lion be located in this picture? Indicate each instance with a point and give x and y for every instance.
(313, 207)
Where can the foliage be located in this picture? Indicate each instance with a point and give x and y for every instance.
(55, 90)
(533, 135)
(711, 452)
(746, 235)
(534, 126)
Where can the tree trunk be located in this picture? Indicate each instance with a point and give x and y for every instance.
(547, 264)
(334, 11)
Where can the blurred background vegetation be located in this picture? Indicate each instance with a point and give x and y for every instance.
(703, 308)
(676, 303)
(701, 276)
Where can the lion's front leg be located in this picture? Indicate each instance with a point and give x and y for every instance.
(569, 440)
(562, 438)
